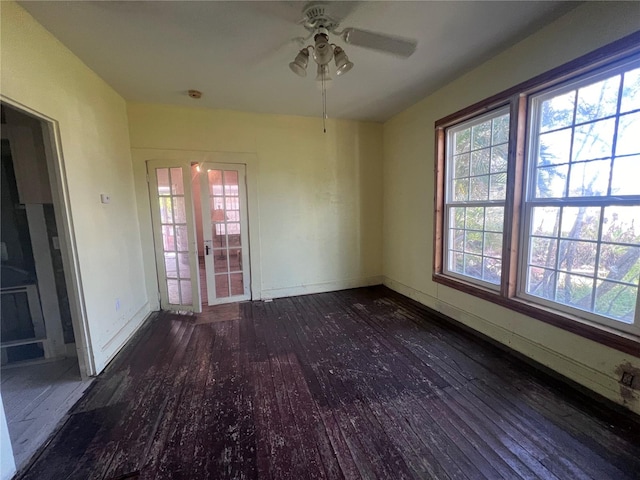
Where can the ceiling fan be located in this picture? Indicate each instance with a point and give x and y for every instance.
(318, 21)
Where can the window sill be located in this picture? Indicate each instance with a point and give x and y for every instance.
(621, 341)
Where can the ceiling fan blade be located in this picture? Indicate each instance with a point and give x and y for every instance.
(400, 46)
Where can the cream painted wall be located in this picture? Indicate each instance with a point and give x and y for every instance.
(316, 198)
(408, 197)
(43, 76)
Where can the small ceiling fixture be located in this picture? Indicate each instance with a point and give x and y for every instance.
(319, 23)
(195, 93)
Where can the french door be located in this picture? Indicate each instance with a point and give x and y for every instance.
(225, 232)
(174, 235)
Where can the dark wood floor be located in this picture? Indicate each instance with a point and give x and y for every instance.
(355, 384)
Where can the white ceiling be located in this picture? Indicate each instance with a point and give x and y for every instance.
(237, 52)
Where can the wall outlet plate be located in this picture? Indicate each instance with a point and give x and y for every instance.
(105, 198)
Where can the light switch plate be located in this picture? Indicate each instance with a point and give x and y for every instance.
(105, 198)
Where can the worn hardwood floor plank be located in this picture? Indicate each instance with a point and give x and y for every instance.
(357, 384)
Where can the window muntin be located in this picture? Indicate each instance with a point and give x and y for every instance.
(581, 235)
(476, 166)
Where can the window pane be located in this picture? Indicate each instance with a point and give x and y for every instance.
(461, 190)
(541, 282)
(619, 262)
(631, 91)
(500, 129)
(163, 181)
(457, 263)
(457, 239)
(473, 242)
(494, 219)
(215, 181)
(578, 257)
(593, 140)
(499, 158)
(621, 224)
(628, 141)
(480, 161)
(557, 112)
(625, 172)
(479, 188)
(473, 266)
(481, 135)
(492, 245)
(551, 182)
(598, 100)
(185, 290)
(498, 186)
(580, 222)
(543, 252)
(491, 270)
(574, 290)
(462, 141)
(475, 218)
(555, 148)
(457, 217)
(461, 165)
(587, 179)
(545, 221)
(616, 301)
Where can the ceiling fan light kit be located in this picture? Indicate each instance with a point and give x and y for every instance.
(319, 23)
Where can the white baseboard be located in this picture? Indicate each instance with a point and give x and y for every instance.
(268, 294)
(111, 348)
(585, 375)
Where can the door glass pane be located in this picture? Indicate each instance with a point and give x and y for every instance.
(222, 286)
(166, 215)
(220, 261)
(163, 181)
(170, 265)
(177, 186)
(182, 239)
(235, 260)
(183, 265)
(179, 211)
(237, 287)
(215, 182)
(185, 292)
(174, 291)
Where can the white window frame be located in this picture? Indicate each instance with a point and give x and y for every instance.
(449, 203)
(597, 201)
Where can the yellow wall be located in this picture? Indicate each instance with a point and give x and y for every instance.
(316, 198)
(39, 73)
(408, 197)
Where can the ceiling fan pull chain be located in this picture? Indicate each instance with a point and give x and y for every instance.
(324, 106)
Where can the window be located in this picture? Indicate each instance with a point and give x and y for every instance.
(538, 197)
(475, 197)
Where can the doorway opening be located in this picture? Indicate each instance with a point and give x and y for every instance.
(41, 376)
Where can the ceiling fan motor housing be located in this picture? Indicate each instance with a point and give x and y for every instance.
(322, 51)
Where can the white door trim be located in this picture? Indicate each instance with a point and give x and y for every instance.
(66, 235)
